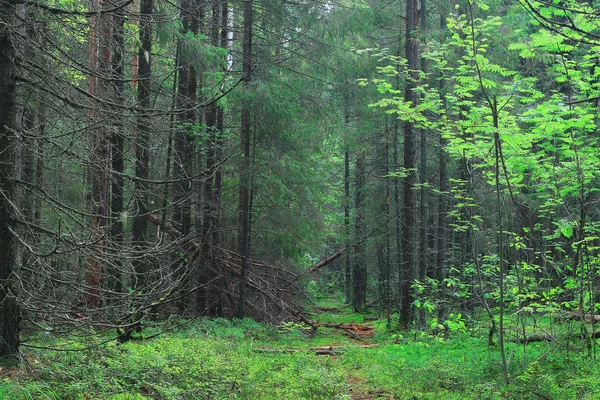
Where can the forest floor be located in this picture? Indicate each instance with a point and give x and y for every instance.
(349, 356)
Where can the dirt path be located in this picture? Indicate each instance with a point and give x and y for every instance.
(359, 391)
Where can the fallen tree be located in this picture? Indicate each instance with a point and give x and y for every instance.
(322, 350)
(551, 338)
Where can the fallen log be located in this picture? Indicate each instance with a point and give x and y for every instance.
(532, 339)
(326, 309)
(354, 331)
(321, 264)
(322, 350)
(550, 338)
(579, 316)
(326, 261)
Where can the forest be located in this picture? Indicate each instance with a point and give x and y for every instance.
(341, 199)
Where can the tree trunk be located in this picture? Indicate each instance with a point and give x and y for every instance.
(359, 275)
(207, 267)
(10, 314)
(244, 191)
(410, 164)
(142, 145)
(183, 146)
(101, 65)
(442, 222)
(348, 259)
(423, 206)
(118, 165)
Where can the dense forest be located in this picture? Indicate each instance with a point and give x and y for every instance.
(433, 164)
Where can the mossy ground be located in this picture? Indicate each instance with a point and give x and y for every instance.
(221, 359)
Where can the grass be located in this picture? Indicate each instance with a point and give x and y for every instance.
(220, 359)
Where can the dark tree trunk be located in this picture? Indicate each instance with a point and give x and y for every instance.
(183, 146)
(423, 206)
(244, 191)
(348, 260)
(101, 65)
(118, 165)
(382, 220)
(410, 164)
(142, 145)
(359, 284)
(207, 268)
(397, 207)
(10, 314)
(442, 222)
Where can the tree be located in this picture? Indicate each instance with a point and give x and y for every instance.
(359, 273)
(245, 179)
(101, 58)
(10, 313)
(183, 149)
(142, 144)
(409, 222)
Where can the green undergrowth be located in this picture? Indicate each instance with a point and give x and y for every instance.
(221, 359)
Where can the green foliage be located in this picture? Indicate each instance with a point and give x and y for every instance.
(207, 359)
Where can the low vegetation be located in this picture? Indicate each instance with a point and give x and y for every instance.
(243, 359)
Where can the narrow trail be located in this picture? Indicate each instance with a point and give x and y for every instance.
(359, 391)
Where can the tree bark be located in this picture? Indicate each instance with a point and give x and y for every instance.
(348, 260)
(183, 146)
(118, 162)
(207, 268)
(101, 65)
(244, 190)
(10, 313)
(142, 145)
(359, 275)
(423, 179)
(409, 207)
(442, 222)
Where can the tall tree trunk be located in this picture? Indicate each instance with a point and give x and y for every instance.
(118, 165)
(382, 219)
(10, 314)
(207, 268)
(409, 206)
(359, 276)
(101, 65)
(244, 190)
(442, 222)
(348, 259)
(142, 145)
(183, 146)
(26, 110)
(423, 206)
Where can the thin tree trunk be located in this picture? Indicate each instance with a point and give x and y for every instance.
(359, 275)
(348, 259)
(118, 165)
(183, 144)
(142, 145)
(207, 272)
(442, 222)
(244, 190)
(423, 206)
